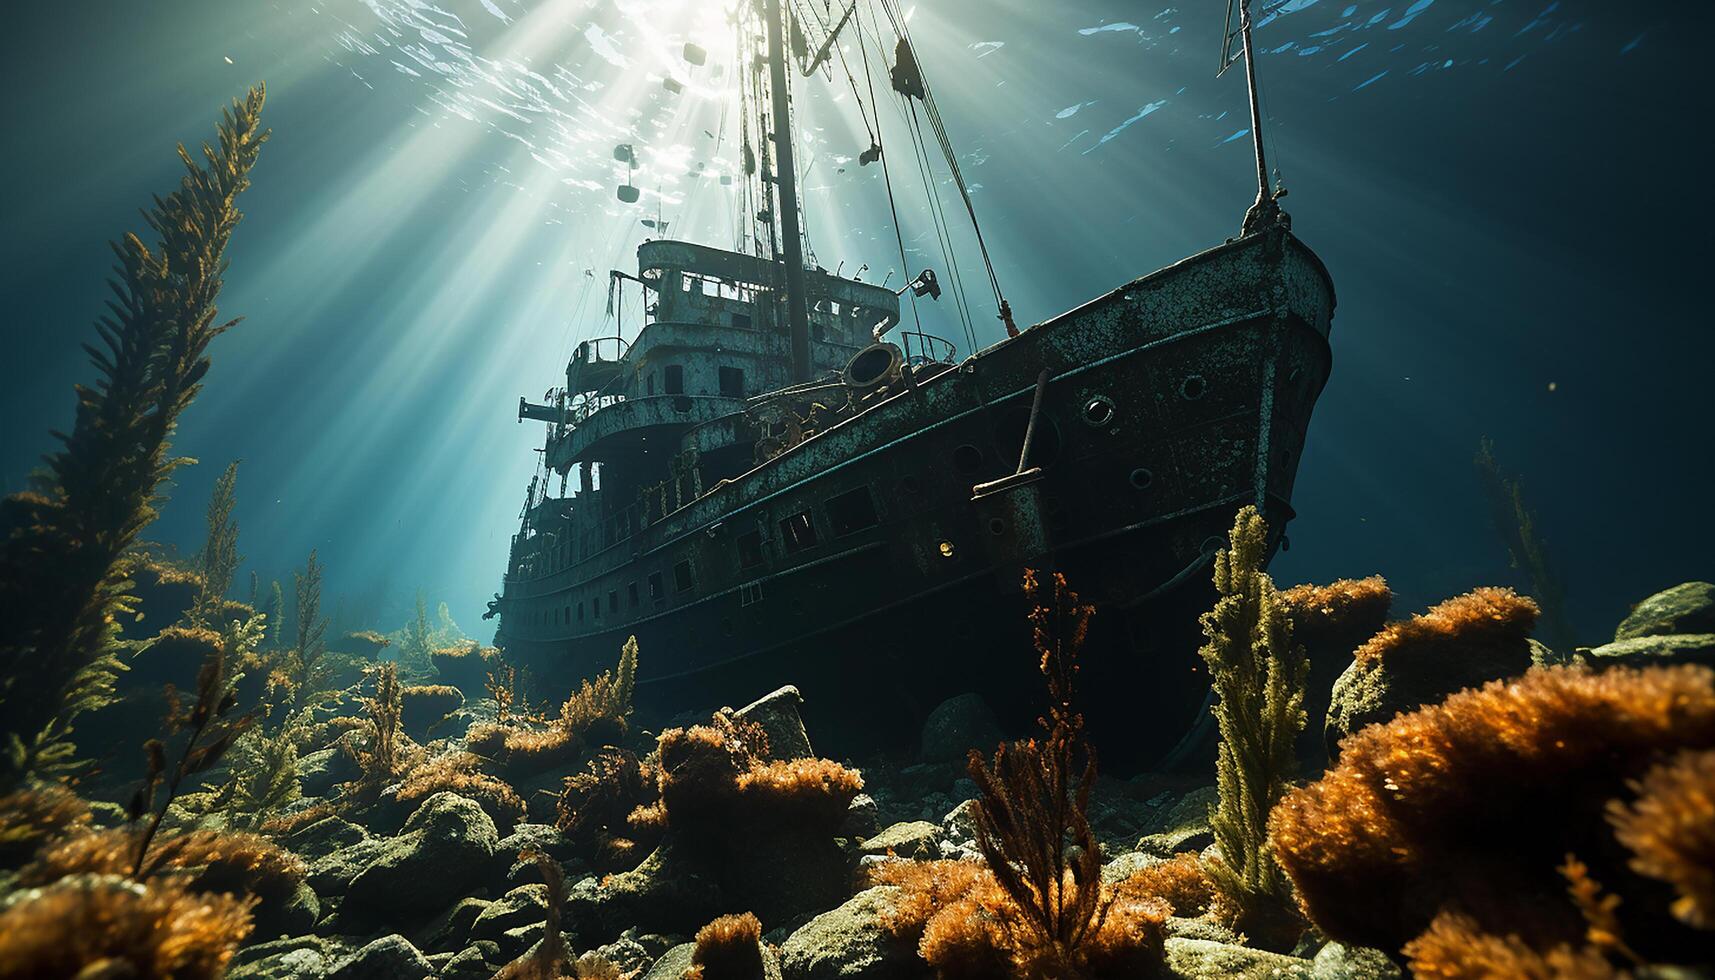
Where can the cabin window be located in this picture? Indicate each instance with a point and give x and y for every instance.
(657, 591)
(613, 601)
(631, 594)
(682, 577)
(649, 382)
(851, 511)
(732, 382)
(749, 550)
(580, 612)
(675, 379)
(595, 608)
(798, 533)
(568, 615)
(750, 594)
(741, 321)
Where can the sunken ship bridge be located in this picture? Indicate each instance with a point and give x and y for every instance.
(853, 515)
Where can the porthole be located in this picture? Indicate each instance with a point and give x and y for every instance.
(1193, 387)
(997, 527)
(967, 459)
(1098, 411)
(946, 549)
(1141, 478)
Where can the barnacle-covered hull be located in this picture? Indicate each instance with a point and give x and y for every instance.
(1168, 403)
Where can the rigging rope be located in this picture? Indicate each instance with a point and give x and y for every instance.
(886, 173)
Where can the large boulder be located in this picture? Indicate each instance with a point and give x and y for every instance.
(447, 849)
(1184, 827)
(388, 958)
(320, 771)
(1337, 961)
(851, 941)
(297, 958)
(1687, 608)
(956, 726)
(777, 713)
(522, 906)
(916, 840)
(314, 841)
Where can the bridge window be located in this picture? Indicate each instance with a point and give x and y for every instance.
(613, 601)
(580, 612)
(631, 594)
(851, 511)
(749, 550)
(741, 321)
(732, 382)
(568, 614)
(798, 533)
(675, 379)
(657, 591)
(682, 581)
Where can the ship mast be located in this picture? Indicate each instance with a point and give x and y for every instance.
(786, 190)
(1266, 211)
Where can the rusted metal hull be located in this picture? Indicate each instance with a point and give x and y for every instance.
(1170, 402)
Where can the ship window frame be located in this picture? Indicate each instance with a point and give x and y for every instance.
(580, 611)
(683, 580)
(750, 593)
(632, 595)
(657, 588)
(595, 608)
(734, 374)
(798, 532)
(742, 321)
(846, 515)
(613, 600)
(673, 379)
(743, 544)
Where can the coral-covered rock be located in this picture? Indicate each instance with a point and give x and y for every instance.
(1686, 608)
(521, 906)
(1337, 961)
(777, 714)
(852, 941)
(388, 958)
(1184, 828)
(295, 958)
(1463, 642)
(323, 837)
(956, 726)
(422, 707)
(1203, 959)
(673, 963)
(1331, 621)
(863, 817)
(320, 771)
(916, 839)
(479, 961)
(1641, 651)
(448, 847)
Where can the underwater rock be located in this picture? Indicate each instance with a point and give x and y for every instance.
(956, 726)
(332, 875)
(1184, 828)
(1643, 651)
(451, 929)
(297, 958)
(1337, 961)
(316, 841)
(673, 963)
(391, 957)
(863, 817)
(661, 894)
(1201, 928)
(1203, 959)
(1462, 643)
(914, 840)
(447, 848)
(850, 941)
(1128, 864)
(959, 832)
(522, 906)
(479, 961)
(295, 916)
(1685, 608)
(534, 837)
(777, 713)
(320, 771)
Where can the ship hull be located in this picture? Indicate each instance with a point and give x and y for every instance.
(1168, 404)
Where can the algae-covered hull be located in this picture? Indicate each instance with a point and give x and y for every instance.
(858, 566)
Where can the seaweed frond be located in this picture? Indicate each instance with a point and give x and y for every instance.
(728, 948)
(105, 926)
(1515, 522)
(1455, 947)
(33, 815)
(1258, 673)
(594, 807)
(219, 557)
(208, 860)
(547, 961)
(1670, 830)
(64, 545)
(425, 705)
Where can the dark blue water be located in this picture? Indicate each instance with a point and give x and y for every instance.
(1510, 196)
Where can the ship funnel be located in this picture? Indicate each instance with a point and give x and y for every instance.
(875, 365)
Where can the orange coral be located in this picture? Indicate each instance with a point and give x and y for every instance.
(31, 816)
(1455, 948)
(1339, 615)
(801, 792)
(1474, 802)
(457, 772)
(1181, 882)
(593, 806)
(1480, 617)
(967, 926)
(285, 824)
(99, 925)
(710, 775)
(1670, 829)
(728, 948)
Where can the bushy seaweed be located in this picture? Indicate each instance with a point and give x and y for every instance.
(728, 948)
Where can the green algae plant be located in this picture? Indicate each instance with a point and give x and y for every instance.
(64, 544)
(1516, 524)
(1258, 673)
(219, 557)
